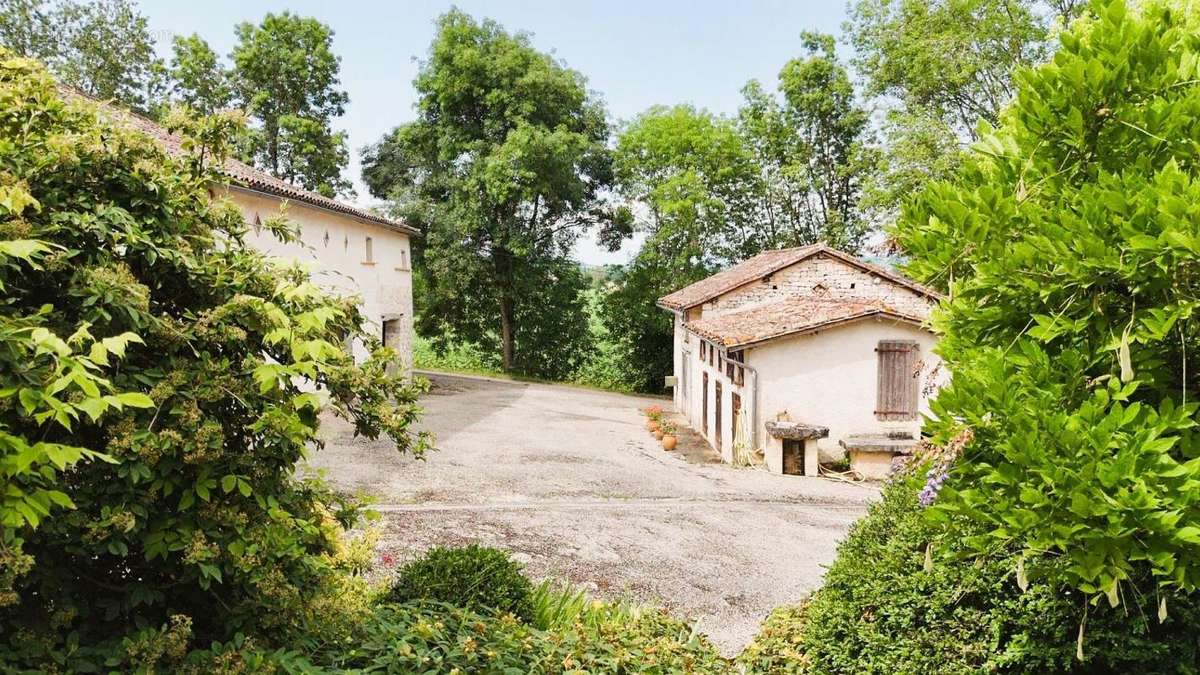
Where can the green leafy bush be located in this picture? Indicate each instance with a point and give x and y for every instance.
(1070, 243)
(605, 366)
(779, 645)
(437, 638)
(453, 356)
(472, 577)
(886, 607)
(159, 382)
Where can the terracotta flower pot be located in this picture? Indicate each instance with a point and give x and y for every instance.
(668, 442)
(658, 434)
(651, 425)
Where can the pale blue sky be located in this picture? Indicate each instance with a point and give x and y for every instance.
(635, 54)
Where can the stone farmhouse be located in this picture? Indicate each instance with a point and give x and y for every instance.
(805, 354)
(349, 250)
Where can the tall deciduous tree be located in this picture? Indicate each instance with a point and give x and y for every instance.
(713, 191)
(198, 78)
(939, 68)
(697, 183)
(505, 165)
(103, 48)
(286, 75)
(812, 150)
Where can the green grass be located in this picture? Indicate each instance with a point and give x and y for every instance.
(558, 606)
(460, 358)
(470, 360)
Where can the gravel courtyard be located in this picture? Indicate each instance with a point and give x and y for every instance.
(569, 481)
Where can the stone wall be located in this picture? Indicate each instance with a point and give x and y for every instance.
(820, 276)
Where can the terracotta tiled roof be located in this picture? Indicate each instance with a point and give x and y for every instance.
(769, 262)
(243, 175)
(790, 317)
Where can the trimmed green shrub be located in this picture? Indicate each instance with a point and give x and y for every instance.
(887, 608)
(472, 577)
(439, 638)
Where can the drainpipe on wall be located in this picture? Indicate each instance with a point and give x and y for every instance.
(753, 407)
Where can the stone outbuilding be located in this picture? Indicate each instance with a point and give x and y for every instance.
(803, 355)
(349, 250)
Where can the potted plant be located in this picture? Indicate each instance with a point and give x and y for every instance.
(669, 439)
(658, 433)
(653, 418)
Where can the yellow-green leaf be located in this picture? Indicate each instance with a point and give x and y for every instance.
(135, 399)
(1124, 358)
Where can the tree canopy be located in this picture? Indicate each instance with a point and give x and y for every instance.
(286, 75)
(505, 165)
(812, 147)
(198, 79)
(937, 69)
(103, 47)
(711, 191)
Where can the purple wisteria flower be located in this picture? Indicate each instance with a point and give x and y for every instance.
(933, 483)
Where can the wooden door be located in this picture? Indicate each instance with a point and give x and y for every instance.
(393, 336)
(793, 457)
(735, 404)
(704, 406)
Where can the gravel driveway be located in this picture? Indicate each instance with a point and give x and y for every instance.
(569, 481)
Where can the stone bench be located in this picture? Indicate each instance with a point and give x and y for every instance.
(871, 454)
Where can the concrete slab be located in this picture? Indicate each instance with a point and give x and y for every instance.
(569, 480)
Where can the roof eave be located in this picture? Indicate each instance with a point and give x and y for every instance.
(234, 184)
(879, 313)
(772, 270)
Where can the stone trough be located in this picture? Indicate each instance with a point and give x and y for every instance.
(871, 455)
(792, 447)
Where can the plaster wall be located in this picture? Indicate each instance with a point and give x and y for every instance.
(830, 378)
(334, 247)
(690, 396)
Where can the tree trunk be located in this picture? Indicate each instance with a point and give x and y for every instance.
(506, 328)
(504, 267)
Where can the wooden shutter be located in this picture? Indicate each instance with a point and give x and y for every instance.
(899, 382)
